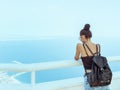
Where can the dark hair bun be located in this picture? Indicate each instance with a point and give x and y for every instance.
(86, 27)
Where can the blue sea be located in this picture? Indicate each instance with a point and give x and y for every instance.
(36, 51)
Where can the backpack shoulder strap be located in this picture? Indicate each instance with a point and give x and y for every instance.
(98, 50)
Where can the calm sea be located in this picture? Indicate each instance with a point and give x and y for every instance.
(36, 51)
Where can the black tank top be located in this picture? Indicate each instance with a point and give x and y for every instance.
(87, 61)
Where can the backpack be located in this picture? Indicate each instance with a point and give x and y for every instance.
(101, 74)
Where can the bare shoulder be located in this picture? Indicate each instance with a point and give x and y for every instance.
(79, 45)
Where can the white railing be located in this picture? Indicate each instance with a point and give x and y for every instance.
(45, 66)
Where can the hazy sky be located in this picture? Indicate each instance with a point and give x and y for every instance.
(36, 19)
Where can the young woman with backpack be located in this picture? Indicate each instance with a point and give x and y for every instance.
(85, 36)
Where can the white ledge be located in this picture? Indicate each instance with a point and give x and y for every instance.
(46, 65)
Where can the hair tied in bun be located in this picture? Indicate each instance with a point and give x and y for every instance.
(87, 27)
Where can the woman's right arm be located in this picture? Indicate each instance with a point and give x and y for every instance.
(77, 52)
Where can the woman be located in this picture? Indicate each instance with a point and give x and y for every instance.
(86, 56)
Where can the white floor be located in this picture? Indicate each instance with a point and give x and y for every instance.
(67, 84)
(55, 85)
